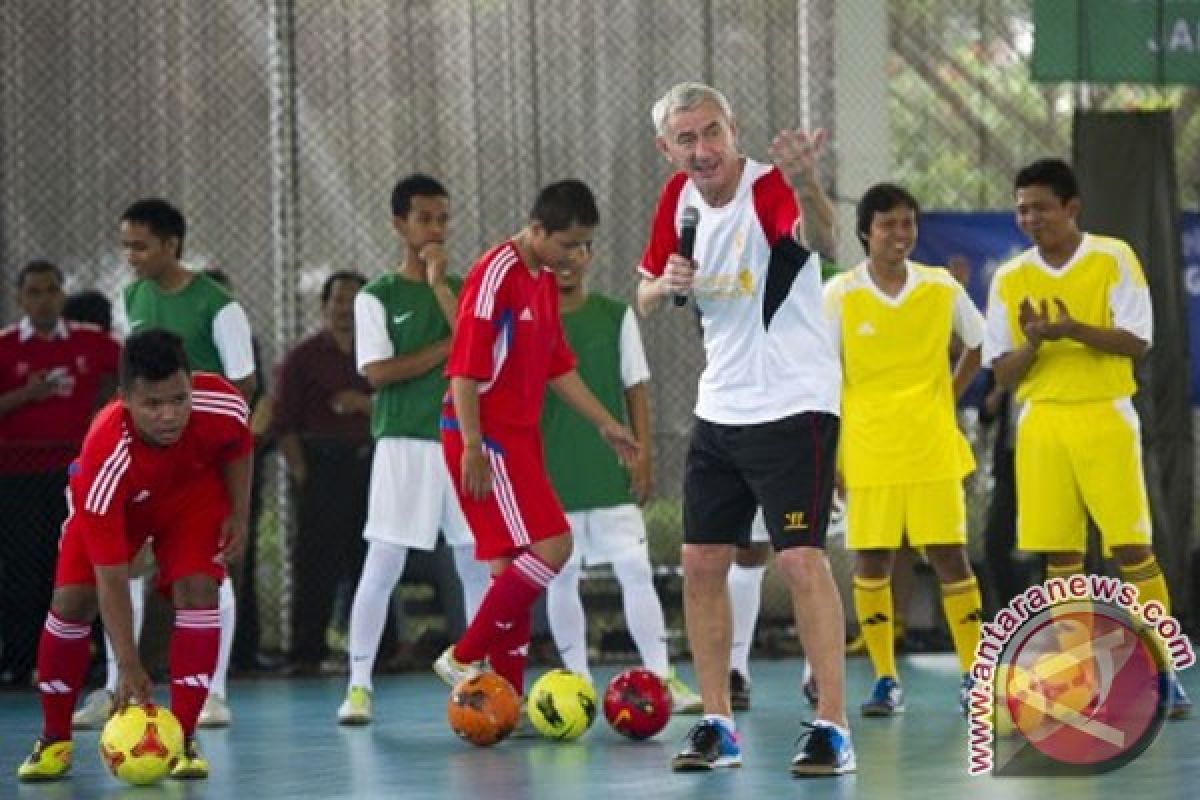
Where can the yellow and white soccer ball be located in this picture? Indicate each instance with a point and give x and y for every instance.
(141, 744)
(561, 705)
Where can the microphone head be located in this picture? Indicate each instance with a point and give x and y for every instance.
(690, 218)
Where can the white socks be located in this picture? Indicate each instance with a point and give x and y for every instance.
(643, 610)
(474, 576)
(745, 596)
(643, 614)
(564, 609)
(382, 569)
(227, 608)
(137, 599)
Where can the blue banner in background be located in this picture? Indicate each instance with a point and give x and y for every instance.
(1190, 233)
(986, 239)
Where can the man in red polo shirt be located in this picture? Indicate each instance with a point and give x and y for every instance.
(54, 374)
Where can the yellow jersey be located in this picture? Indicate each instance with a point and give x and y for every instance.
(898, 409)
(1101, 285)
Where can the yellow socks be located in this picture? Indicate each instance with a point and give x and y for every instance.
(964, 613)
(1148, 578)
(873, 603)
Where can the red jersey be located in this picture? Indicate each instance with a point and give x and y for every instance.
(508, 337)
(116, 472)
(45, 436)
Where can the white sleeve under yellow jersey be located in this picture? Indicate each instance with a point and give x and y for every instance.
(1102, 285)
(898, 420)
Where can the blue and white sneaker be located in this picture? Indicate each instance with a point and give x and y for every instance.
(887, 698)
(709, 744)
(1181, 704)
(964, 694)
(823, 750)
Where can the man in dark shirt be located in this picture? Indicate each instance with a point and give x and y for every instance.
(323, 413)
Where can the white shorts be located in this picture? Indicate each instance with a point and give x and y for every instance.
(602, 534)
(411, 497)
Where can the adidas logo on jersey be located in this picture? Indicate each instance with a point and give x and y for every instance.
(142, 495)
(526, 316)
(865, 329)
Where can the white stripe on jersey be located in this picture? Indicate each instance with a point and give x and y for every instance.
(105, 484)
(229, 398)
(209, 401)
(506, 500)
(493, 276)
(206, 408)
(499, 357)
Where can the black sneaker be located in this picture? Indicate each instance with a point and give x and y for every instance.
(823, 750)
(739, 691)
(709, 745)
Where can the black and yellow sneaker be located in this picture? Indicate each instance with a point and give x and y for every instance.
(191, 766)
(49, 761)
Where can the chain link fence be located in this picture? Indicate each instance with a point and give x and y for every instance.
(280, 126)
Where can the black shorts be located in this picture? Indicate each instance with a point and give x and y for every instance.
(786, 466)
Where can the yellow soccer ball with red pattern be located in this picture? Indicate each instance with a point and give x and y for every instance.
(140, 744)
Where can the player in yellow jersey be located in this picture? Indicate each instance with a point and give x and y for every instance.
(902, 456)
(1066, 319)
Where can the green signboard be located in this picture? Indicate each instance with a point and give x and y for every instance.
(1117, 41)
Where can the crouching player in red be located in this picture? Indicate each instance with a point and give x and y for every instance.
(508, 346)
(169, 460)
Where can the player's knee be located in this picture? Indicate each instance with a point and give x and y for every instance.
(707, 564)
(874, 564)
(567, 577)
(1132, 554)
(195, 591)
(805, 568)
(555, 551)
(950, 562)
(75, 603)
(633, 569)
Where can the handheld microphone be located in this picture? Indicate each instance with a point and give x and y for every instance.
(687, 243)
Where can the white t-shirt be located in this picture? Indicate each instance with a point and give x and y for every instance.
(767, 345)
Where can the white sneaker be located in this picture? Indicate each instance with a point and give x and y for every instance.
(215, 714)
(95, 711)
(452, 671)
(356, 708)
(683, 699)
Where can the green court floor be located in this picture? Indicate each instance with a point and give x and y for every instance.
(284, 744)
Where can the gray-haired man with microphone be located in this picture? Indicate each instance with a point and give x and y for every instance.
(766, 411)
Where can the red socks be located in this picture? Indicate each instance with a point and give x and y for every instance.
(500, 629)
(191, 658)
(62, 660)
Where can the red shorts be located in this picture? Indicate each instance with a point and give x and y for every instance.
(186, 531)
(521, 508)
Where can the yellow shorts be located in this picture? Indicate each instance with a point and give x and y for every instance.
(1074, 460)
(932, 512)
